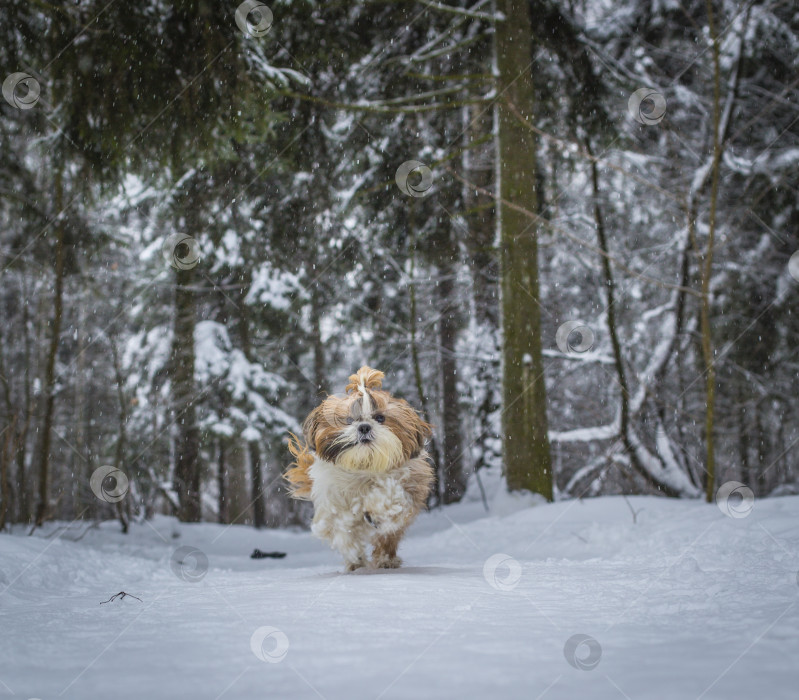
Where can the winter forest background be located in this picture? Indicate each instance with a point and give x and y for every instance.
(207, 226)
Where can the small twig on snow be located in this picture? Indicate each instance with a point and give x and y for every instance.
(632, 510)
(122, 594)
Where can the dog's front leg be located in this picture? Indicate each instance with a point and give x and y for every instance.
(344, 531)
(348, 540)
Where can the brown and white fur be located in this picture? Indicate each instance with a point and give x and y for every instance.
(364, 466)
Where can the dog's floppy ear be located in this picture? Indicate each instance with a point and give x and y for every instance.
(311, 425)
(298, 477)
(412, 431)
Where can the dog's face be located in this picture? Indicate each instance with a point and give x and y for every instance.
(366, 430)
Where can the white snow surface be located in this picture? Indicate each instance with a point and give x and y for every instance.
(684, 603)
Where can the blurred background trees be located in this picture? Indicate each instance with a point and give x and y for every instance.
(275, 147)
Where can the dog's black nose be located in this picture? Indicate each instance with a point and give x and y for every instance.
(364, 428)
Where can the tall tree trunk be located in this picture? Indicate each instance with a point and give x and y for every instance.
(478, 166)
(42, 506)
(524, 419)
(707, 341)
(123, 506)
(83, 465)
(435, 491)
(435, 455)
(187, 440)
(448, 326)
(5, 485)
(23, 487)
(256, 479)
(239, 482)
(743, 440)
(256, 468)
(316, 340)
(8, 446)
(762, 450)
(480, 215)
(23, 481)
(221, 480)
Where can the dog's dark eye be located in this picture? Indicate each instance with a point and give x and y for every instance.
(380, 419)
(349, 420)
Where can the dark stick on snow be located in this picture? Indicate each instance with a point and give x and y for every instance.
(121, 595)
(258, 554)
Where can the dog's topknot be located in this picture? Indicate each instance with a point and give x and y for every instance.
(365, 377)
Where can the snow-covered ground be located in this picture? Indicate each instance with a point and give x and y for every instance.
(684, 603)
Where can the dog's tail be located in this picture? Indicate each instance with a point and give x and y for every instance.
(365, 378)
(298, 477)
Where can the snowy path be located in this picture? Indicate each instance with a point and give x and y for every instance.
(686, 603)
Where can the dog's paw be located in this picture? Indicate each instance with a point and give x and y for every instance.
(388, 562)
(351, 566)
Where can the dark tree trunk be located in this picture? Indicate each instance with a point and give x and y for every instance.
(481, 215)
(708, 353)
(432, 447)
(221, 480)
(23, 481)
(762, 452)
(454, 485)
(187, 439)
(123, 506)
(435, 491)
(5, 485)
(524, 418)
(8, 446)
(256, 469)
(42, 506)
(479, 169)
(743, 441)
(256, 475)
(24, 493)
(318, 347)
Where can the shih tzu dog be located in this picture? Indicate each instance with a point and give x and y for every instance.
(364, 466)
